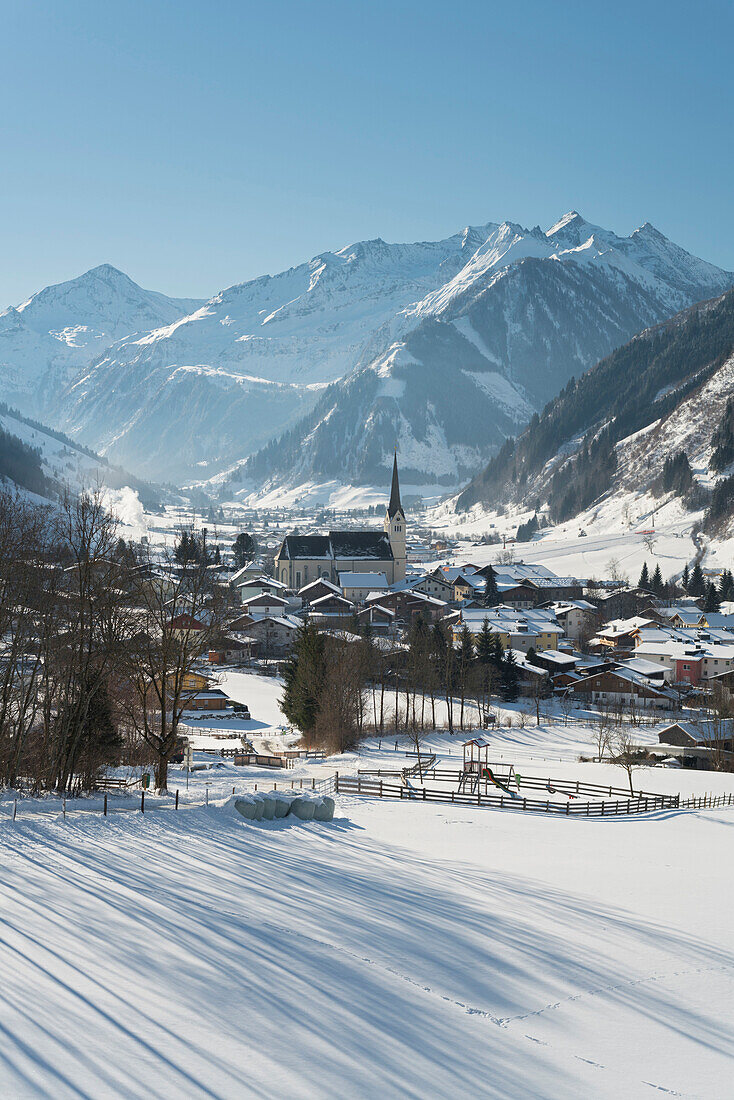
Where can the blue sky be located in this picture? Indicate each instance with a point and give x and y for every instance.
(195, 145)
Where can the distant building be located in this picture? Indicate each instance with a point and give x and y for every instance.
(303, 559)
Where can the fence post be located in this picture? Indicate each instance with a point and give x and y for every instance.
(64, 807)
(313, 784)
(336, 782)
(177, 797)
(142, 802)
(568, 804)
(15, 807)
(380, 788)
(105, 805)
(207, 794)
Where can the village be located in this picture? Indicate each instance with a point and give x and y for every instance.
(648, 654)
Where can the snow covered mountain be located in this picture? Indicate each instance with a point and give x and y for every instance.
(468, 364)
(651, 424)
(444, 348)
(46, 341)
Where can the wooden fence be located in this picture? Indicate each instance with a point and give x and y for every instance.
(641, 802)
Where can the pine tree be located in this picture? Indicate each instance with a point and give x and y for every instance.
(685, 579)
(711, 602)
(485, 645)
(644, 581)
(656, 581)
(696, 581)
(491, 592)
(509, 675)
(304, 675)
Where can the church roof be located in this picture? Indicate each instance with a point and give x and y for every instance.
(361, 544)
(395, 506)
(306, 546)
(369, 545)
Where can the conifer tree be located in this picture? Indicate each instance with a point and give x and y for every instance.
(711, 602)
(491, 593)
(696, 581)
(644, 581)
(685, 579)
(485, 645)
(656, 581)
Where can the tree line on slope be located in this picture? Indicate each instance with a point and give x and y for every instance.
(339, 688)
(637, 384)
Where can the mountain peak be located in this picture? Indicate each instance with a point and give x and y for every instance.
(571, 218)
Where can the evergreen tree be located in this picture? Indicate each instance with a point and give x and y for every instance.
(696, 581)
(244, 549)
(509, 675)
(644, 581)
(711, 601)
(465, 650)
(685, 579)
(304, 675)
(491, 592)
(656, 581)
(485, 645)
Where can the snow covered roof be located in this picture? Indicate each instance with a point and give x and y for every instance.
(363, 580)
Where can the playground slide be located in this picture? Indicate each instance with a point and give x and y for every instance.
(487, 773)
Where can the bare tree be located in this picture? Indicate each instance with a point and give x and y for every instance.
(625, 752)
(178, 616)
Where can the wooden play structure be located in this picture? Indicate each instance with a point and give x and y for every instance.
(478, 769)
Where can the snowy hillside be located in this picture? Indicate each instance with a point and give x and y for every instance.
(446, 347)
(48, 339)
(630, 445)
(468, 364)
(45, 463)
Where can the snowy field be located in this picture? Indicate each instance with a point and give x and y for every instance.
(411, 950)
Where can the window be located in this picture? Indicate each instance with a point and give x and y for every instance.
(298, 578)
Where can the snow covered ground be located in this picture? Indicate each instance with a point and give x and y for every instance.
(401, 950)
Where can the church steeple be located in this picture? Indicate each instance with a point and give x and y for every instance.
(395, 526)
(395, 506)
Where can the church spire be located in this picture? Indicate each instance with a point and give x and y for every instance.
(394, 506)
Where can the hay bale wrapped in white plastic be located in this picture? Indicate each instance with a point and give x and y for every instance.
(268, 806)
(303, 808)
(249, 807)
(324, 809)
(280, 802)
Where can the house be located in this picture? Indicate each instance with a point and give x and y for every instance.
(579, 618)
(623, 687)
(381, 619)
(264, 605)
(305, 558)
(208, 699)
(185, 624)
(408, 605)
(357, 586)
(331, 607)
(435, 584)
(520, 630)
(314, 590)
(539, 582)
(275, 634)
(233, 649)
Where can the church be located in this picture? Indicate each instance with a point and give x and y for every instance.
(305, 558)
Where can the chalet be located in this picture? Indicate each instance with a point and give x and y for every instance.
(435, 584)
(305, 558)
(331, 607)
(314, 590)
(624, 687)
(381, 619)
(275, 634)
(265, 604)
(208, 699)
(579, 618)
(409, 605)
(540, 583)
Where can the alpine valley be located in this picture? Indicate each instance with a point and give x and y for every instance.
(313, 375)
